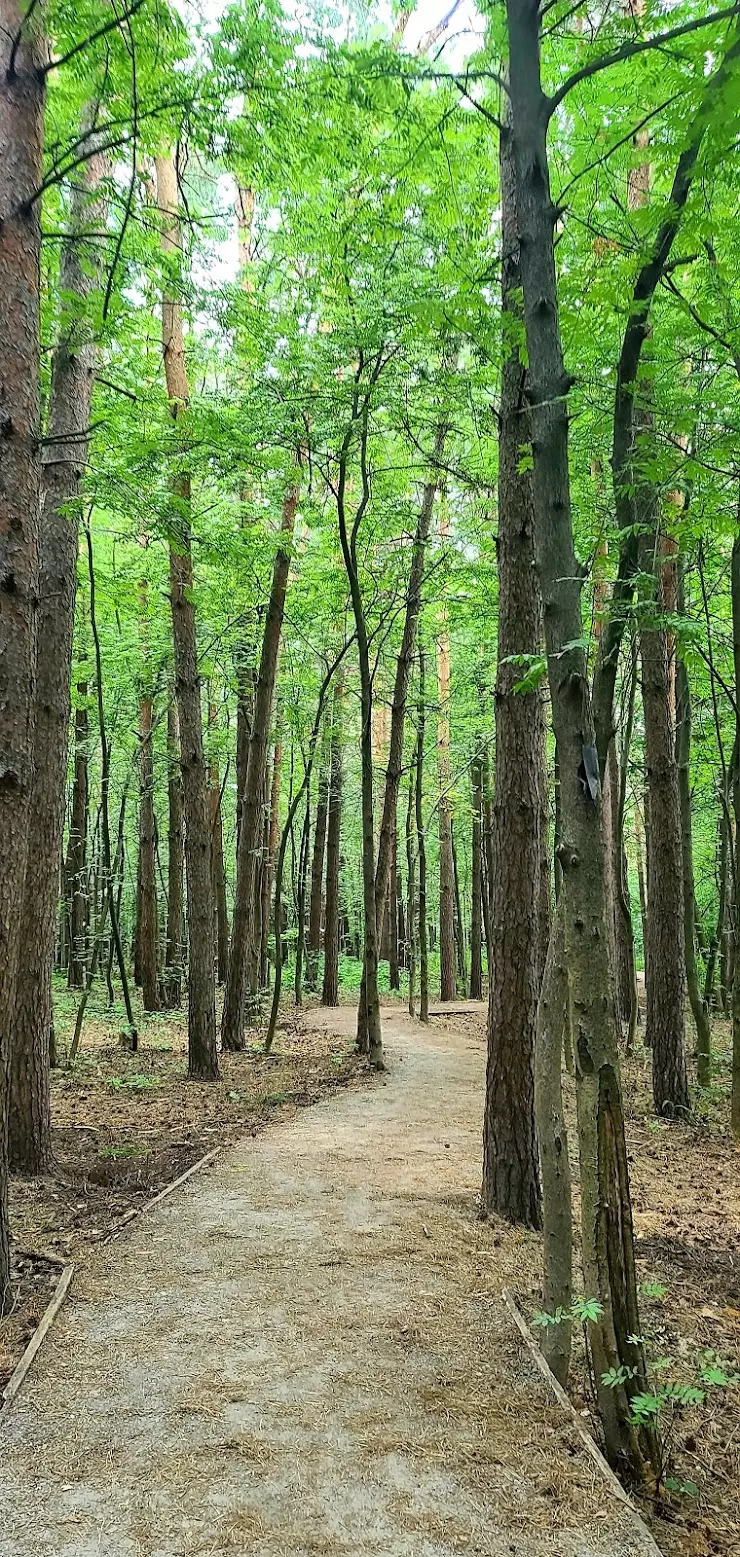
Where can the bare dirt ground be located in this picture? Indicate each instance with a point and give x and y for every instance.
(299, 1353)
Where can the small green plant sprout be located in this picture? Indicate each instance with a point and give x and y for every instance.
(138, 1082)
(653, 1289)
(583, 1311)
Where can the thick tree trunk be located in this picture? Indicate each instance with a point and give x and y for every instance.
(607, 1234)
(330, 990)
(552, 1018)
(75, 869)
(62, 468)
(22, 86)
(250, 831)
(313, 944)
(175, 863)
(510, 1162)
(202, 1055)
(148, 918)
(664, 952)
(476, 882)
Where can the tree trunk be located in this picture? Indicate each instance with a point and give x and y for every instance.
(330, 990)
(476, 882)
(394, 980)
(447, 968)
(301, 931)
(552, 1018)
(411, 860)
(218, 874)
(421, 842)
(271, 852)
(202, 1055)
(250, 831)
(313, 945)
(148, 920)
(402, 679)
(664, 951)
(510, 1162)
(462, 970)
(22, 90)
(75, 869)
(175, 863)
(607, 1234)
(683, 757)
(735, 593)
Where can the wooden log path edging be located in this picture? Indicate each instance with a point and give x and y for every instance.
(23, 1367)
(20, 1372)
(651, 1545)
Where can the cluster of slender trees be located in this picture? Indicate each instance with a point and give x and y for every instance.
(302, 503)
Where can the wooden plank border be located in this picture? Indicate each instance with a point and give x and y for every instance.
(591, 1448)
(149, 1205)
(19, 1373)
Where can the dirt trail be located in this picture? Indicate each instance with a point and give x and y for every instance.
(292, 1356)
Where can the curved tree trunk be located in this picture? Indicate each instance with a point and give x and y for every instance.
(202, 1055)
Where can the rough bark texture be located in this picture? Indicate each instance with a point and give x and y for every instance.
(552, 1017)
(421, 842)
(175, 862)
(330, 990)
(21, 137)
(510, 1162)
(250, 831)
(202, 1056)
(664, 950)
(607, 1234)
(476, 883)
(75, 867)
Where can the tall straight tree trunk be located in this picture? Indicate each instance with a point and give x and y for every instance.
(330, 989)
(301, 903)
(175, 862)
(313, 944)
(202, 1055)
(271, 852)
(218, 873)
(683, 761)
(250, 831)
(148, 918)
(404, 663)
(552, 1018)
(394, 980)
(75, 869)
(607, 1233)
(735, 595)
(510, 1161)
(447, 969)
(22, 87)
(62, 467)
(476, 882)
(665, 951)
(421, 843)
(462, 970)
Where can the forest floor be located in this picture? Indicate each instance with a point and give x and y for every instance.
(303, 1351)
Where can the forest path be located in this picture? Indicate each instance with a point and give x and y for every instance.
(292, 1355)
